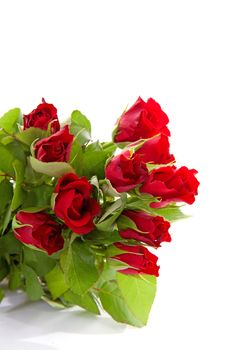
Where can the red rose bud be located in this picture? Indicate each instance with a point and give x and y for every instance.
(126, 171)
(156, 150)
(55, 148)
(171, 185)
(139, 259)
(154, 229)
(142, 121)
(39, 230)
(74, 205)
(41, 117)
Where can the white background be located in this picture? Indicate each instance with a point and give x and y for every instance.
(98, 56)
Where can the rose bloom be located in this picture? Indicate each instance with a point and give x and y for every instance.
(39, 230)
(171, 185)
(141, 121)
(74, 205)
(44, 114)
(154, 229)
(126, 171)
(156, 150)
(139, 259)
(55, 148)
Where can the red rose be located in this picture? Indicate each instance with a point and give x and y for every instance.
(138, 258)
(154, 228)
(55, 148)
(171, 185)
(156, 150)
(41, 117)
(74, 204)
(126, 171)
(39, 230)
(141, 121)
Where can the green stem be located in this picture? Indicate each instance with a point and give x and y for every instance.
(7, 176)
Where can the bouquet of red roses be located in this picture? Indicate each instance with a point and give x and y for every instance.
(79, 219)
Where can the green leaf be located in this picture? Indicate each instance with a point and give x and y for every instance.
(138, 292)
(80, 127)
(81, 135)
(79, 267)
(56, 304)
(1, 294)
(108, 219)
(38, 196)
(97, 191)
(29, 135)
(109, 147)
(124, 223)
(32, 177)
(141, 202)
(39, 261)
(6, 193)
(4, 268)
(2, 135)
(103, 237)
(109, 223)
(118, 204)
(32, 284)
(9, 120)
(80, 120)
(2, 176)
(18, 196)
(86, 301)
(94, 163)
(171, 213)
(15, 280)
(108, 274)
(9, 153)
(129, 298)
(55, 169)
(7, 159)
(9, 244)
(56, 283)
(94, 159)
(76, 157)
(6, 218)
(17, 151)
(114, 304)
(7, 139)
(111, 252)
(108, 190)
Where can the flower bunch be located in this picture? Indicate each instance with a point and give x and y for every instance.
(79, 219)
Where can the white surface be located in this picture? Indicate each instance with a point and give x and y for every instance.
(98, 56)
